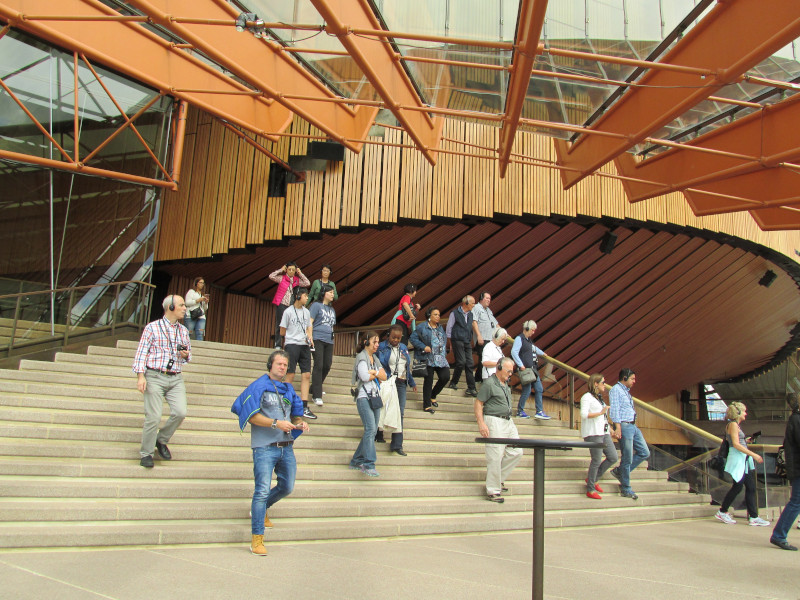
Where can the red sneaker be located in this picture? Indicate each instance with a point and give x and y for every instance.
(593, 495)
(596, 486)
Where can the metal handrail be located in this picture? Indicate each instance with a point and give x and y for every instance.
(643, 405)
(64, 336)
(80, 287)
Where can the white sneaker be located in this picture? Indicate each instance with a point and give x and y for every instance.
(540, 415)
(323, 393)
(318, 401)
(758, 522)
(725, 518)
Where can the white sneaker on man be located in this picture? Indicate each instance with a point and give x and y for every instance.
(318, 401)
(757, 522)
(541, 416)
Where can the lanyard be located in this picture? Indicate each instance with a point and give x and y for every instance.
(165, 329)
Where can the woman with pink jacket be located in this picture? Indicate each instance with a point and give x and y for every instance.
(287, 277)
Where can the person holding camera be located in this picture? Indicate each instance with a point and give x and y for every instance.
(163, 348)
(196, 309)
(297, 332)
(594, 428)
(288, 277)
(367, 373)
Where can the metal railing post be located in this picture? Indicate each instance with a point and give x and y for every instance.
(68, 318)
(14, 324)
(571, 401)
(115, 311)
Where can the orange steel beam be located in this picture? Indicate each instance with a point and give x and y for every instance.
(131, 49)
(777, 219)
(770, 132)
(768, 188)
(731, 38)
(261, 64)
(386, 75)
(301, 177)
(83, 169)
(180, 136)
(529, 28)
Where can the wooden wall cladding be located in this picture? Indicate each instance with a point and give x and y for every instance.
(222, 203)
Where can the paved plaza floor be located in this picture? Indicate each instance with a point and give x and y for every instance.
(677, 560)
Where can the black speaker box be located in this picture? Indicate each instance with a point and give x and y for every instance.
(326, 150)
(306, 163)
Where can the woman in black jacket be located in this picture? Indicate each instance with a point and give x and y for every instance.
(791, 450)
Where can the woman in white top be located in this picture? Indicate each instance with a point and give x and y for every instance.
(196, 298)
(493, 353)
(594, 428)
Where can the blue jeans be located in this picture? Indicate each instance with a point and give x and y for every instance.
(197, 329)
(524, 394)
(538, 391)
(365, 453)
(789, 514)
(397, 438)
(634, 451)
(267, 459)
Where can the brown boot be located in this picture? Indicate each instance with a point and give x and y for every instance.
(267, 522)
(257, 546)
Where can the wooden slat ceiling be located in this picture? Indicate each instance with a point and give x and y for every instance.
(678, 309)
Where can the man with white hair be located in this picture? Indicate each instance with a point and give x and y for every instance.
(483, 327)
(163, 348)
(493, 413)
(526, 355)
(492, 353)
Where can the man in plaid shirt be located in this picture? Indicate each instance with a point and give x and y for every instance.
(163, 349)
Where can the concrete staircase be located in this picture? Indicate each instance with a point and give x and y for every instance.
(69, 473)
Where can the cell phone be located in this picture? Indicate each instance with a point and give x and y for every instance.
(181, 347)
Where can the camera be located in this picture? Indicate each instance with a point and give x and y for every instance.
(181, 347)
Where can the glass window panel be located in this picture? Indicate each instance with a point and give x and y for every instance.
(605, 19)
(565, 20)
(644, 20)
(675, 11)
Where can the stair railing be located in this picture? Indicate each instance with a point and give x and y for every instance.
(26, 318)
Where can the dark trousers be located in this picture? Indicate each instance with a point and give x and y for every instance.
(462, 351)
(323, 359)
(406, 332)
(429, 392)
(279, 310)
(479, 367)
(748, 480)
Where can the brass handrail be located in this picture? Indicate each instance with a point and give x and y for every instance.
(81, 287)
(643, 405)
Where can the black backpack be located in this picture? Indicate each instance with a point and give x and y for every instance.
(718, 461)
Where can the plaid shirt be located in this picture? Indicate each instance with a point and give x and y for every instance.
(621, 401)
(159, 344)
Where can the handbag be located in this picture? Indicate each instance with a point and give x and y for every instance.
(195, 313)
(719, 460)
(419, 368)
(375, 400)
(780, 463)
(527, 375)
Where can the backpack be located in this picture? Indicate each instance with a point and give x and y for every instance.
(718, 461)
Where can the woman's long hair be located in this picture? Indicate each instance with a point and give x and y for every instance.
(594, 379)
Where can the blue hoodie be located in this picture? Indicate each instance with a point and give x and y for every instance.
(249, 401)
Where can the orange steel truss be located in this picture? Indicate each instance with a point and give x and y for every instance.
(744, 165)
(731, 38)
(74, 163)
(377, 60)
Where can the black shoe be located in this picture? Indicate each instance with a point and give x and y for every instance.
(379, 437)
(495, 498)
(632, 495)
(163, 451)
(308, 414)
(615, 473)
(452, 386)
(503, 487)
(782, 545)
(429, 411)
(472, 392)
(400, 451)
(435, 404)
(147, 462)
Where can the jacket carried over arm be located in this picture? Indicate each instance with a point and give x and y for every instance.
(249, 401)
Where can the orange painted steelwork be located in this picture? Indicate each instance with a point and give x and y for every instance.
(260, 64)
(83, 169)
(385, 74)
(141, 54)
(709, 45)
(529, 29)
(301, 177)
(178, 139)
(770, 130)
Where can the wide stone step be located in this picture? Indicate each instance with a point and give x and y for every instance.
(89, 487)
(237, 531)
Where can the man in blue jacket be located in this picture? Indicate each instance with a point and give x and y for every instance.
(275, 414)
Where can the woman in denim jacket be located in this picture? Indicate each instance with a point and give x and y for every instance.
(430, 339)
(393, 354)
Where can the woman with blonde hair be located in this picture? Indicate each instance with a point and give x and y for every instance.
(741, 468)
(594, 428)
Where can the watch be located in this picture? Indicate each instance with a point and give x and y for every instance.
(274, 423)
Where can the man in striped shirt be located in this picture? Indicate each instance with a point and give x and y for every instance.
(163, 348)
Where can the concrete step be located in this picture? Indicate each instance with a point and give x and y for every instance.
(237, 531)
